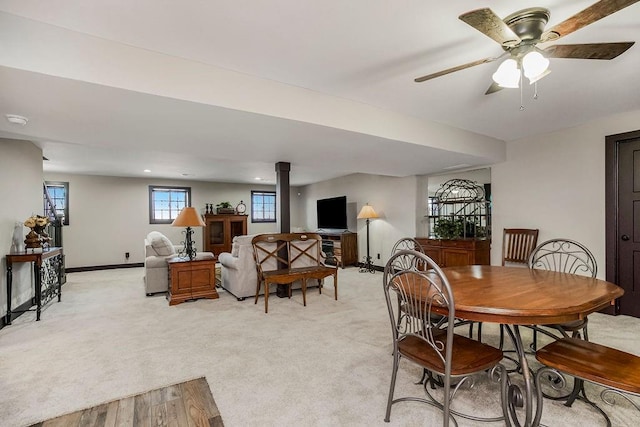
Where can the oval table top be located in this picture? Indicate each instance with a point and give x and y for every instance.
(523, 296)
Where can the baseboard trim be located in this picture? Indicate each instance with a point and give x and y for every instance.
(103, 267)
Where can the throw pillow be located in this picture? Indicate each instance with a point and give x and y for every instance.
(235, 248)
(161, 244)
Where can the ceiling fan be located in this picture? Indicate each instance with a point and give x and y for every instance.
(520, 33)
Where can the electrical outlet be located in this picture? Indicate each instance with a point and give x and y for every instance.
(126, 255)
(378, 256)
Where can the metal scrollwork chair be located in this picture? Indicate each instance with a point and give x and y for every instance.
(424, 335)
(565, 256)
(405, 243)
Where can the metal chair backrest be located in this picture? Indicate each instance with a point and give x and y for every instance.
(424, 295)
(408, 243)
(565, 256)
(405, 244)
(517, 244)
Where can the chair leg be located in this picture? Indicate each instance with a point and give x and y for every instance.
(392, 387)
(335, 286)
(304, 292)
(266, 297)
(479, 330)
(257, 292)
(578, 386)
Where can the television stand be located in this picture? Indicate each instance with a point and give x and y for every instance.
(341, 248)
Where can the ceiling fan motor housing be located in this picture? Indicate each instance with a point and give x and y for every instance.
(528, 24)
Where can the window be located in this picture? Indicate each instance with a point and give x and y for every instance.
(165, 203)
(56, 195)
(263, 206)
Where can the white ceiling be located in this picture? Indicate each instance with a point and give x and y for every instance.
(362, 53)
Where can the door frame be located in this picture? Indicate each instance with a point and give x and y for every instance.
(612, 143)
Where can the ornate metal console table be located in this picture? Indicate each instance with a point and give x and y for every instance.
(47, 273)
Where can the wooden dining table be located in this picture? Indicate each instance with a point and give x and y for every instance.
(516, 296)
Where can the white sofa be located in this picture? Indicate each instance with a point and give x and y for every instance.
(157, 249)
(239, 275)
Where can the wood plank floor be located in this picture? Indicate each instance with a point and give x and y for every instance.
(187, 404)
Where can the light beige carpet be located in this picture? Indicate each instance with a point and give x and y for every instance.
(186, 404)
(327, 364)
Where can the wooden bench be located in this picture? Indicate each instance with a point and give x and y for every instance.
(587, 361)
(287, 257)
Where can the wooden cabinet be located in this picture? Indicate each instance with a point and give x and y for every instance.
(342, 247)
(191, 280)
(457, 252)
(220, 230)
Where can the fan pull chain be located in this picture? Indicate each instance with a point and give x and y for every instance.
(521, 85)
(535, 90)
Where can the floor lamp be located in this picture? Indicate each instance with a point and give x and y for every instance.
(367, 213)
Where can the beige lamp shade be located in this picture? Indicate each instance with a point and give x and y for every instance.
(188, 217)
(367, 212)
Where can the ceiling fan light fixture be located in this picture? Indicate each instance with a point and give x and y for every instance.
(535, 79)
(507, 74)
(534, 65)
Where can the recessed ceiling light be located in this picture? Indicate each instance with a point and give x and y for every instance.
(186, 174)
(147, 170)
(258, 178)
(16, 119)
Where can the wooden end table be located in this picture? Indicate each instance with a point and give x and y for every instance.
(191, 280)
(47, 276)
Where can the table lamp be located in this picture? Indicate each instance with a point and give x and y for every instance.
(188, 217)
(367, 213)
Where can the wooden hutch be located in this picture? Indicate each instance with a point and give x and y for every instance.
(220, 230)
(459, 225)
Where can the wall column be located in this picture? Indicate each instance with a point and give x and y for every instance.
(283, 194)
(283, 211)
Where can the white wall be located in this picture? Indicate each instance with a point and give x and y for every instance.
(21, 195)
(110, 215)
(394, 200)
(481, 176)
(556, 183)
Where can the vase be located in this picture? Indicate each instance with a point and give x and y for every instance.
(33, 240)
(17, 240)
(37, 237)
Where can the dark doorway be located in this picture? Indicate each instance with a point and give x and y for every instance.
(623, 218)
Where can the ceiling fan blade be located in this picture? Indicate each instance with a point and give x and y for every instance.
(588, 16)
(454, 69)
(495, 87)
(490, 24)
(588, 51)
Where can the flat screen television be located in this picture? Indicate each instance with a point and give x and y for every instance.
(332, 213)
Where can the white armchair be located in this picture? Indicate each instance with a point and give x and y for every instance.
(238, 273)
(157, 249)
